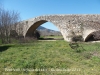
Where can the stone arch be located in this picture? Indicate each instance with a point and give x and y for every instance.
(65, 23)
(94, 36)
(35, 25)
(87, 34)
(90, 37)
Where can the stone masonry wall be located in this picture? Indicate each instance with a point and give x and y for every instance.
(79, 24)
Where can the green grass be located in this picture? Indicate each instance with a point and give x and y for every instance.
(53, 36)
(50, 56)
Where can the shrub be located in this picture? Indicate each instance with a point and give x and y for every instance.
(77, 38)
(36, 34)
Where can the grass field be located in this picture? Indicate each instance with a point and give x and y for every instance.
(49, 58)
(53, 36)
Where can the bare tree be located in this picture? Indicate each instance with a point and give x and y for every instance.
(8, 21)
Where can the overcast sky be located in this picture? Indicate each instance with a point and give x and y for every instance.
(33, 8)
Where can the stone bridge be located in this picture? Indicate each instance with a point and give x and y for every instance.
(68, 25)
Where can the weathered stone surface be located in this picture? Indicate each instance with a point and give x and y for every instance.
(96, 35)
(78, 24)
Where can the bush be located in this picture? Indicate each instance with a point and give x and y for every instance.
(77, 38)
(36, 34)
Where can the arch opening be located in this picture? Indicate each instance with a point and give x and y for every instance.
(33, 28)
(94, 36)
(90, 37)
(46, 33)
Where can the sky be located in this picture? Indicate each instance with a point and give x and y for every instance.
(33, 8)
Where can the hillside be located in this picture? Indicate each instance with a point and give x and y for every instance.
(45, 31)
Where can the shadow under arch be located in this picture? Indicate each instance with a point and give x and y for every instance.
(34, 26)
(90, 37)
(94, 36)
